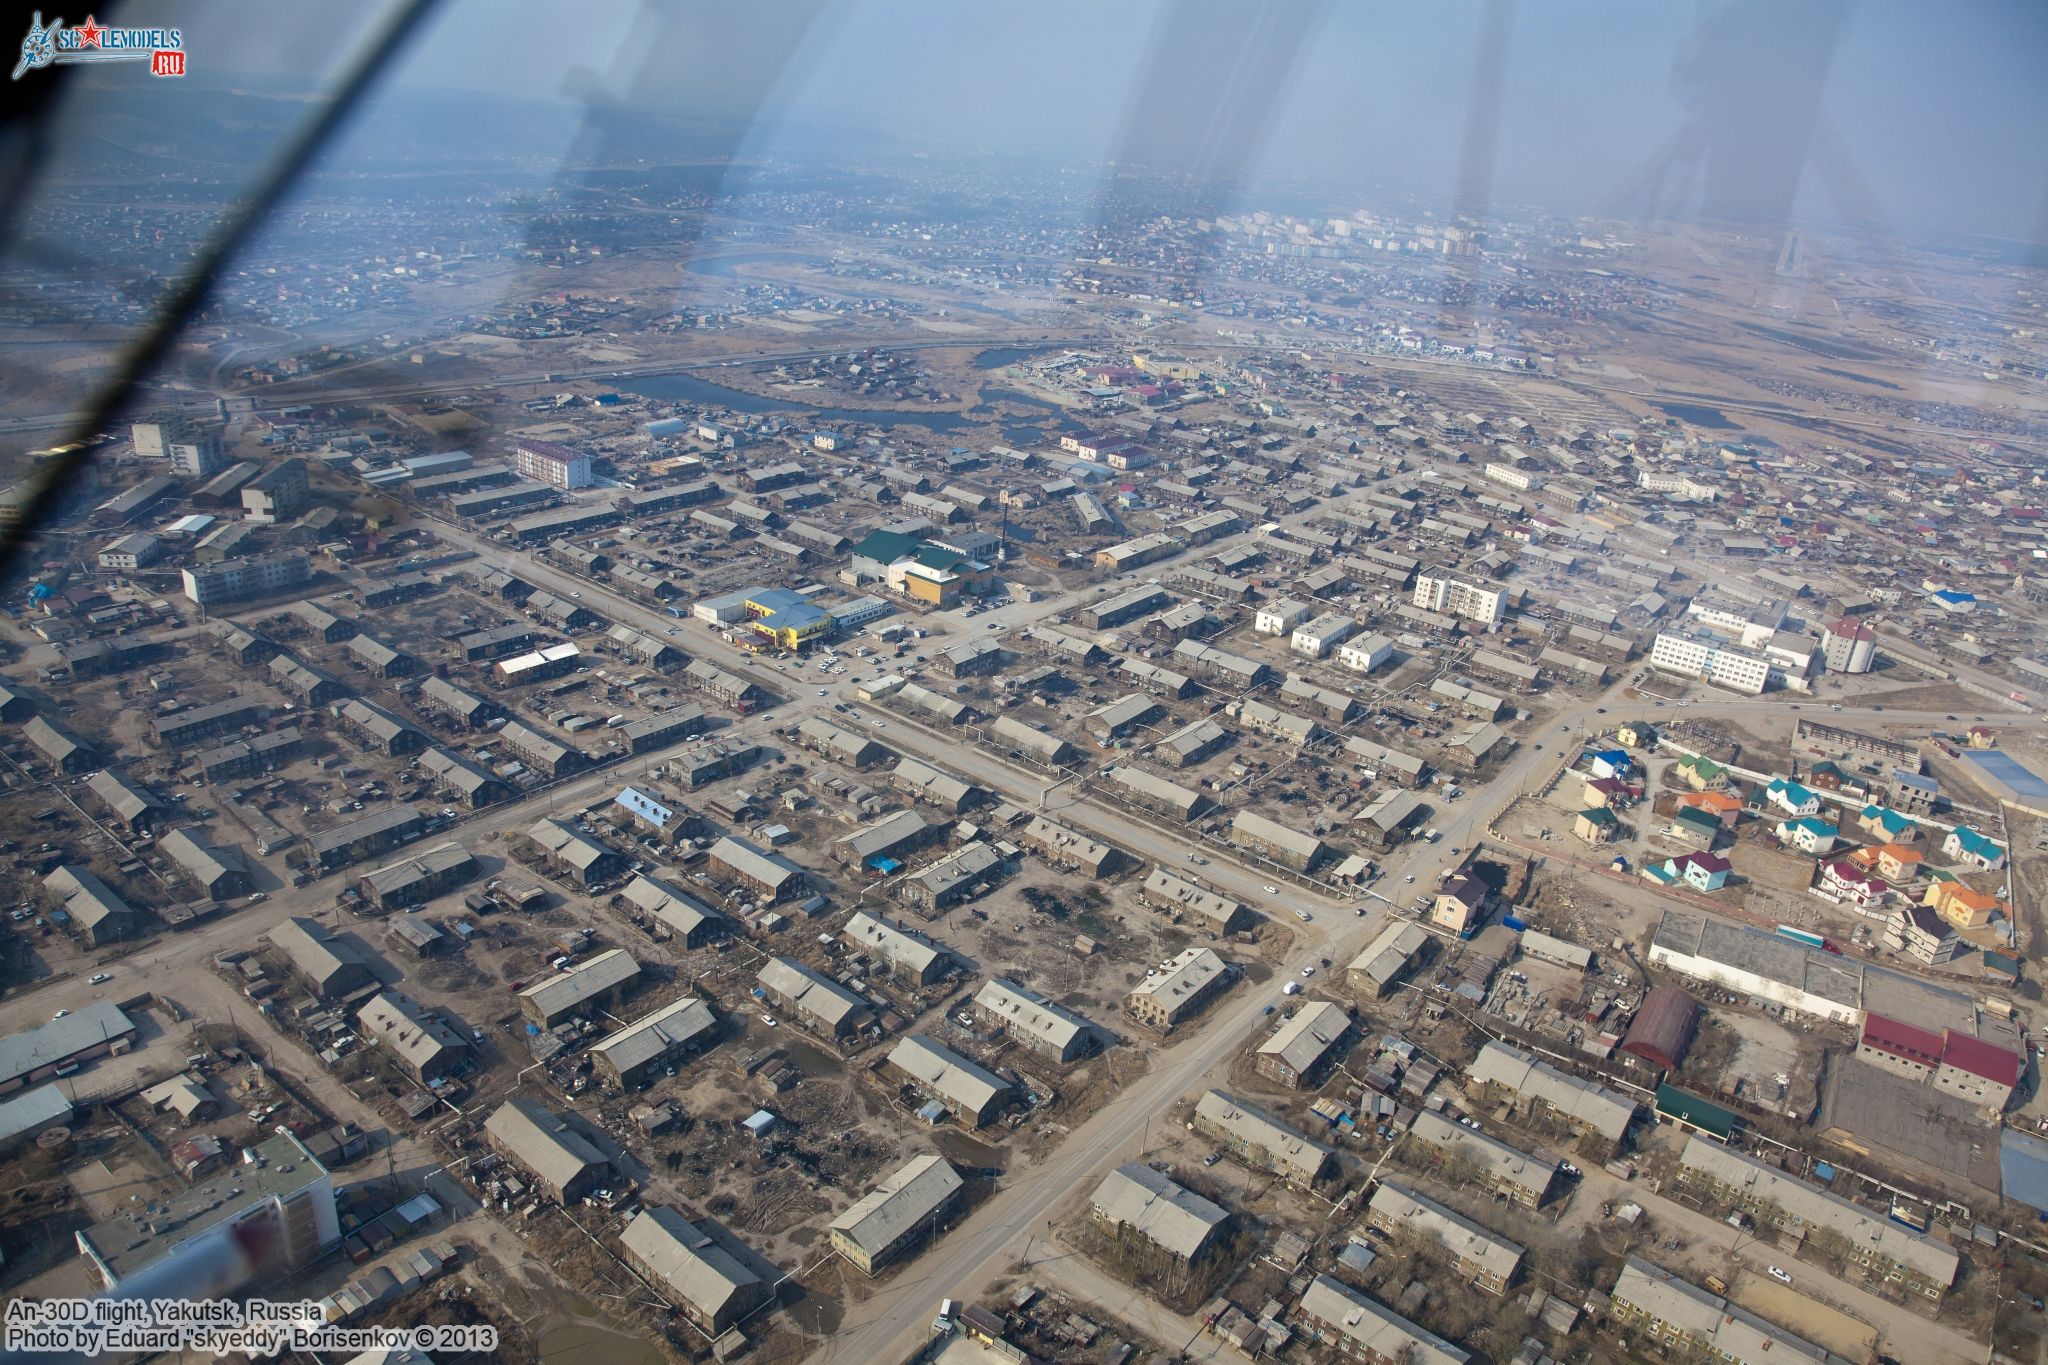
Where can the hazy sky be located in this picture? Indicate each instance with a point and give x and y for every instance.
(1905, 114)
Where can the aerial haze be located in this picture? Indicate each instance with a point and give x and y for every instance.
(886, 682)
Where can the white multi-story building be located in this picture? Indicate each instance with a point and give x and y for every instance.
(276, 493)
(1679, 484)
(548, 463)
(236, 578)
(1513, 477)
(1318, 637)
(1711, 658)
(1849, 646)
(1751, 623)
(1453, 597)
(1282, 616)
(191, 449)
(135, 550)
(1367, 654)
(269, 1215)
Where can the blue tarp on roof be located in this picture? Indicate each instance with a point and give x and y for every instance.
(2023, 1168)
(645, 806)
(2009, 770)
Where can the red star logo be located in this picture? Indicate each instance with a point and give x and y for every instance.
(88, 32)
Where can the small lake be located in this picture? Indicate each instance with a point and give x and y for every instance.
(1711, 418)
(689, 388)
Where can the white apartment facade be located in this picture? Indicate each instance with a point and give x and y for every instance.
(1710, 659)
(1364, 655)
(548, 463)
(1455, 597)
(237, 578)
(1512, 477)
(1318, 637)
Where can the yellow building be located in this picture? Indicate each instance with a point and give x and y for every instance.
(1962, 907)
(1167, 366)
(1635, 735)
(1597, 825)
(788, 618)
(939, 587)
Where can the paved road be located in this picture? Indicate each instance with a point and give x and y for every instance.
(1711, 1245)
(886, 1325)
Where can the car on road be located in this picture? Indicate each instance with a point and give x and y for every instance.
(1214, 1157)
(1305, 916)
(59, 1015)
(1309, 970)
(99, 977)
(1270, 889)
(1197, 859)
(1599, 710)
(821, 691)
(1539, 748)
(1409, 878)
(1267, 1010)
(878, 722)
(258, 897)
(1779, 1274)
(769, 1020)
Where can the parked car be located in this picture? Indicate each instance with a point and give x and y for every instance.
(97, 978)
(1779, 1274)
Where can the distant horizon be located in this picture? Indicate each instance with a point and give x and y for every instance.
(1735, 111)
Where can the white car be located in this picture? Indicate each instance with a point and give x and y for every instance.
(59, 1015)
(1409, 878)
(821, 691)
(1779, 1274)
(769, 1020)
(98, 978)
(1304, 916)
(1309, 970)
(1270, 889)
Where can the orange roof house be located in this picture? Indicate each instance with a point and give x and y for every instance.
(1962, 907)
(1723, 806)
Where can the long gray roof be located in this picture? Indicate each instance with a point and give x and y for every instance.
(1162, 1211)
(1370, 1326)
(1607, 1112)
(688, 1259)
(648, 1037)
(542, 1142)
(1409, 1207)
(89, 901)
(910, 1194)
(1287, 1148)
(49, 1043)
(946, 1074)
(1872, 1232)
